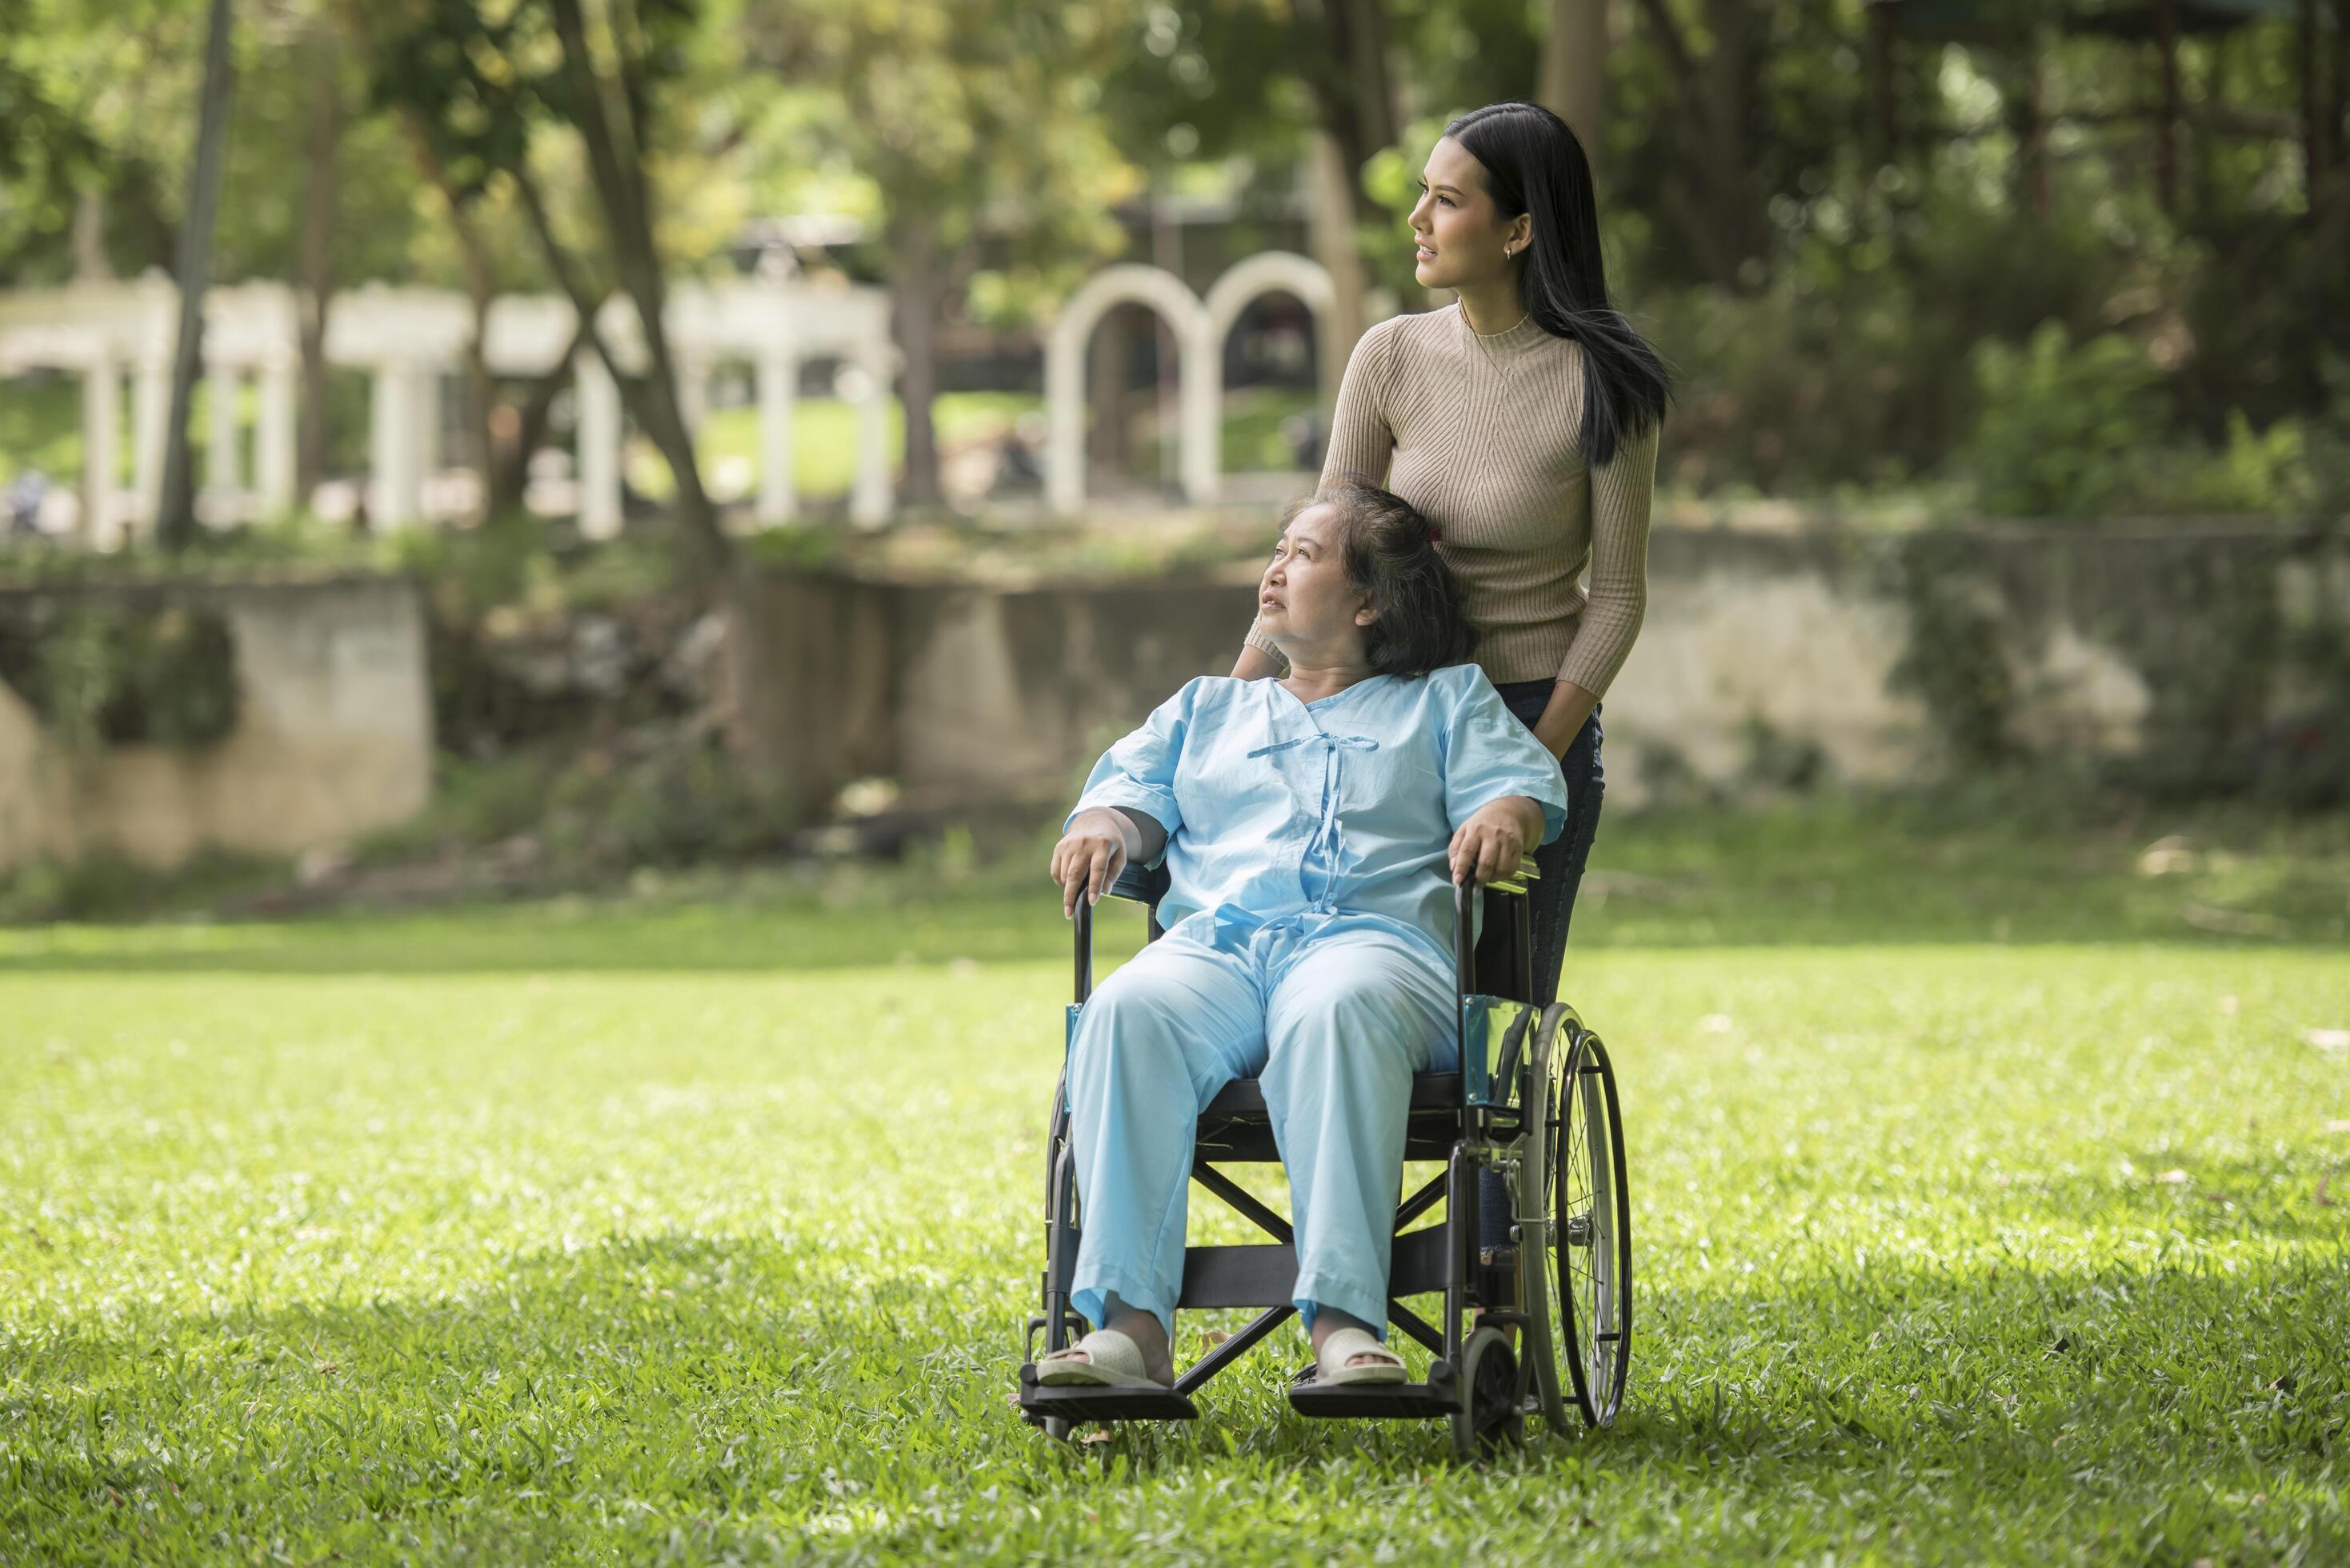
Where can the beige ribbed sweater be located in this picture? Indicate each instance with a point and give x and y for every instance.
(1479, 433)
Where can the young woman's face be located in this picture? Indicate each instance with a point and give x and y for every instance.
(1305, 596)
(1461, 239)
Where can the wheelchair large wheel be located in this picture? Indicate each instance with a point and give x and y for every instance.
(1574, 1230)
(1059, 1210)
(1591, 1238)
(1536, 1237)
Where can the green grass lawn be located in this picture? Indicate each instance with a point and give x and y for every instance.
(702, 1229)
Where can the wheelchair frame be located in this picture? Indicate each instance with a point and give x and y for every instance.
(1513, 1057)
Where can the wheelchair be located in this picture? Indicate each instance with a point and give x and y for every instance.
(1537, 1297)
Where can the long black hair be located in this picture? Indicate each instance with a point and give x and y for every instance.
(1421, 609)
(1535, 165)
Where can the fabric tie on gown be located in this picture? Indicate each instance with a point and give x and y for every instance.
(1329, 834)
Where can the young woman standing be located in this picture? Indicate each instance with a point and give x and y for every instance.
(1523, 420)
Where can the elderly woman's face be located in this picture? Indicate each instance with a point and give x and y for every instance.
(1305, 596)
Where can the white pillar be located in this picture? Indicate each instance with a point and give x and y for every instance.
(692, 388)
(1199, 397)
(101, 437)
(778, 389)
(150, 410)
(393, 447)
(869, 502)
(1064, 408)
(428, 427)
(223, 436)
(273, 456)
(598, 435)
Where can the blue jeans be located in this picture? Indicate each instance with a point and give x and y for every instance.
(1562, 860)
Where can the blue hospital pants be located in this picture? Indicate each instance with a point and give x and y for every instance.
(1333, 1023)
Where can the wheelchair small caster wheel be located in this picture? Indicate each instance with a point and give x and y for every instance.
(1490, 1416)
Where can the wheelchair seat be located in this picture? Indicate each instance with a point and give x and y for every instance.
(1236, 1126)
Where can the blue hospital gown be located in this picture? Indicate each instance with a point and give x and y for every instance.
(1309, 944)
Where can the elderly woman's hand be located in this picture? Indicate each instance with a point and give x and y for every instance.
(1090, 857)
(1489, 846)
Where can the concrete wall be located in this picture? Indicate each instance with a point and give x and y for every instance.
(333, 738)
(975, 693)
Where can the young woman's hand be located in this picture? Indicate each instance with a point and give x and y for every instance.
(1089, 858)
(1489, 846)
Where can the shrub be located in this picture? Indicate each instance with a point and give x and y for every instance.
(121, 670)
(2060, 423)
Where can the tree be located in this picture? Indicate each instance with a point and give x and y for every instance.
(974, 119)
(490, 92)
(176, 520)
(1323, 80)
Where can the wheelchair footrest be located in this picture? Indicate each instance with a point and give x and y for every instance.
(1078, 1402)
(1437, 1398)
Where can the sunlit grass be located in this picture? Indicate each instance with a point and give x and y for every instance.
(692, 1232)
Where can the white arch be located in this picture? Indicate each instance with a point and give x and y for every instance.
(1232, 292)
(1065, 354)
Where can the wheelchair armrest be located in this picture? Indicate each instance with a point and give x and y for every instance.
(1143, 885)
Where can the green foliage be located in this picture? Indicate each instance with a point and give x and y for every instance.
(121, 669)
(40, 427)
(106, 886)
(1955, 662)
(2059, 422)
(677, 802)
(1849, 366)
(2267, 302)
(2255, 471)
(957, 111)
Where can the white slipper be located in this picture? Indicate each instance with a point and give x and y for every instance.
(1112, 1361)
(1330, 1364)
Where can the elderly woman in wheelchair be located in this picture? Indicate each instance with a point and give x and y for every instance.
(1314, 830)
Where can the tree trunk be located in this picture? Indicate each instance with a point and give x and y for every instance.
(2338, 100)
(917, 296)
(2316, 146)
(1330, 227)
(1353, 89)
(91, 263)
(616, 162)
(1574, 70)
(2166, 129)
(510, 466)
(1719, 204)
(481, 293)
(2031, 136)
(1367, 40)
(176, 518)
(315, 264)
